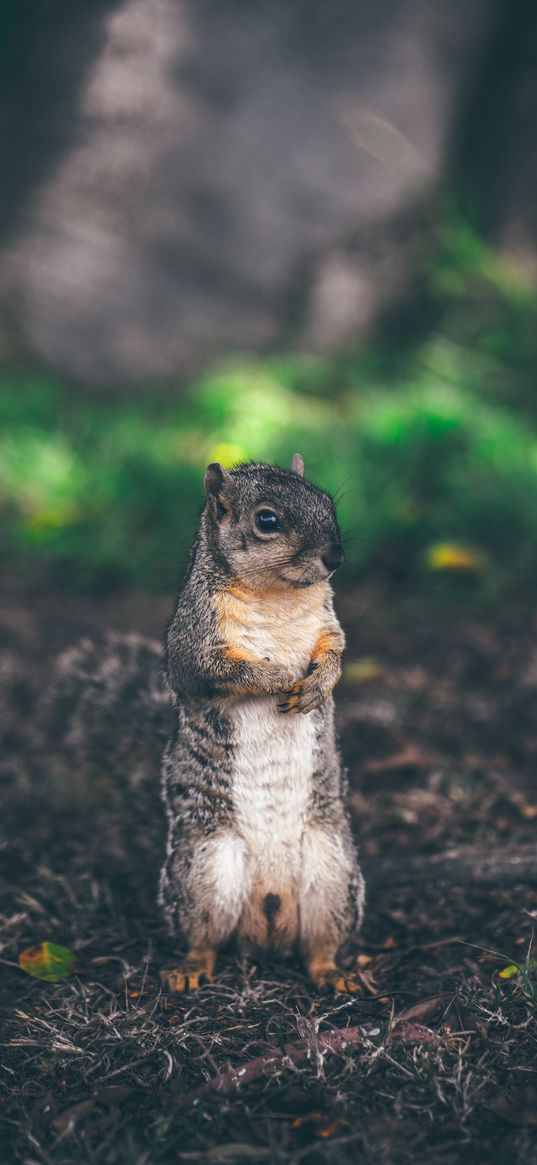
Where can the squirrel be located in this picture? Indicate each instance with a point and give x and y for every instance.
(259, 845)
(240, 715)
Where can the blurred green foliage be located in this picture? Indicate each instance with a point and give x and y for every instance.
(432, 452)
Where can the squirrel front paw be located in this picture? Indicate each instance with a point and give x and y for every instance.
(304, 695)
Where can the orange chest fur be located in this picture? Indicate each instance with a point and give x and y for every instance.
(280, 626)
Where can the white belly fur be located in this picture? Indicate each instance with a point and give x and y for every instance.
(274, 762)
(274, 759)
(274, 752)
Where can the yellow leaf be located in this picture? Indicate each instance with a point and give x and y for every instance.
(359, 671)
(452, 556)
(508, 972)
(228, 455)
(512, 970)
(48, 961)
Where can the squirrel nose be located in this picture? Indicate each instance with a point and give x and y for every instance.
(333, 555)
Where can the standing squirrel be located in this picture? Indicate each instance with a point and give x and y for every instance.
(259, 846)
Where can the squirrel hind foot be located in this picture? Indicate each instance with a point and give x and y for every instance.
(195, 970)
(337, 980)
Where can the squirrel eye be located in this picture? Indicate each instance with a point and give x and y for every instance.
(267, 521)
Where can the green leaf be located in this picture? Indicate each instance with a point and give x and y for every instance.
(48, 961)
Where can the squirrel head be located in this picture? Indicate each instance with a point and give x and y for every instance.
(269, 527)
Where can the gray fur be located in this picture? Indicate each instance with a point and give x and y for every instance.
(227, 708)
(102, 726)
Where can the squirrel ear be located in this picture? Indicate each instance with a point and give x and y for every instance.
(219, 488)
(297, 464)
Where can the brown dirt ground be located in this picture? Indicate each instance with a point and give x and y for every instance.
(438, 730)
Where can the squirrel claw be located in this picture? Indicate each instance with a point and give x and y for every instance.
(304, 696)
(179, 981)
(338, 981)
(290, 704)
(189, 975)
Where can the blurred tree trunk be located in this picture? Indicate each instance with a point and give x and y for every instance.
(187, 177)
(494, 160)
(47, 48)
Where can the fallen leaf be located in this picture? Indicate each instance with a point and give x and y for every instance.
(453, 556)
(424, 1008)
(48, 962)
(514, 969)
(359, 671)
(508, 972)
